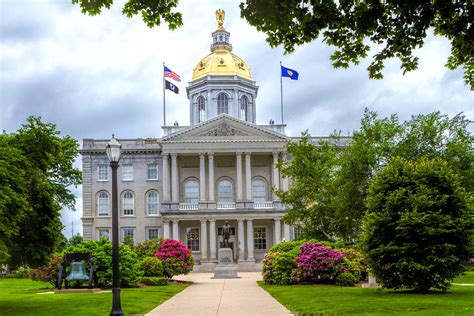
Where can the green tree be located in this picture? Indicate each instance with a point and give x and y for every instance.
(36, 169)
(330, 182)
(152, 12)
(353, 27)
(418, 225)
(310, 197)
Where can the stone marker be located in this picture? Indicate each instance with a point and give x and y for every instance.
(372, 282)
(225, 268)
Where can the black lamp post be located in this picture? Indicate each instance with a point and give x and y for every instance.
(113, 153)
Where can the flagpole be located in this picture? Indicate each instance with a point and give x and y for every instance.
(164, 98)
(281, 94)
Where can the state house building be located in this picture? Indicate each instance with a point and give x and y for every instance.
(186, 184)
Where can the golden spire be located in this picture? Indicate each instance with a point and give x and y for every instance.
(220, 16)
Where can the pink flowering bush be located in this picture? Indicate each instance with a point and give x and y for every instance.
(317, 263)
(176, 258)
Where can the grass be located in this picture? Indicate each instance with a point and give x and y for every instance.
(19, 297)
(335, 300)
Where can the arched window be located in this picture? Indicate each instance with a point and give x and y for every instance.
(201, 109)
(128, 203)
(152, 203)
(244, 108)
(259, 190)
(222, 103)
(103, 204)
(226, 191)
(191, 191)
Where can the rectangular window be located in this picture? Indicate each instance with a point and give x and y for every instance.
(104, 232)
(260, 238)
(152, 171)
(102, 171)
(128, 233)
(127, 172)
(298, 233)
(192, 238)
(153, 233)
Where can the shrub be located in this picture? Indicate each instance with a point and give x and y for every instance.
(153, 281)
(20, 273)
(279, 263)
(101, 251)
(317, 263)
(278, 268)
(50, 273)
(151, 267)
(346, 279)
(418, 225)
(148, 248)
(176, 258)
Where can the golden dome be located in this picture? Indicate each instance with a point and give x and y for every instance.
(221, 62)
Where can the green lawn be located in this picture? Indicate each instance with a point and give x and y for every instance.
(19, 297)
(335, 300)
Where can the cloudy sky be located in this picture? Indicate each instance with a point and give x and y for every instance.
(94, 76)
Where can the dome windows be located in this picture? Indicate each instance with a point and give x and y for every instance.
(222, 103)
(201, 109)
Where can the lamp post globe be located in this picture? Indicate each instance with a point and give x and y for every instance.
(114, 150)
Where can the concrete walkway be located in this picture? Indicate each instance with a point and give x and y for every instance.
(207, 296)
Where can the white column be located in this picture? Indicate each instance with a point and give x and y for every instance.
(285, 180)
(276, 178)
(211, 177)
(203, 240)
(174, 179)
(176, 229)
(166, 230)
(286, 232)
(241, 235)
(212, 238)
(239, 176)
(248, 178)
(277, 235)
(166, 178)
(250, 256)
(202, 177)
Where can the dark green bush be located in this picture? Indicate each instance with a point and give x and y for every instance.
(154, 281)
(101, 251)
(346, 279)
(148, 248)
(418, 225)
(151, 267)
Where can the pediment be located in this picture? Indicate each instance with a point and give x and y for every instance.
(225, 128)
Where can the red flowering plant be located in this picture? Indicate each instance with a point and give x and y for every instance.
(317, 263)
(176, 258)
(50, 273)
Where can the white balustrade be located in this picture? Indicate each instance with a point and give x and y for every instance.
(263, 205)
(226, 205)
(188, 206)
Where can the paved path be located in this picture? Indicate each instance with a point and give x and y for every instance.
(221, 297)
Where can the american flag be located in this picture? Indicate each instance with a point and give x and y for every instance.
(171, 74)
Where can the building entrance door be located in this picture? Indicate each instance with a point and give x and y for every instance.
(232, 241)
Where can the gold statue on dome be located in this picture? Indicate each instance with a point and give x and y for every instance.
(220, 16)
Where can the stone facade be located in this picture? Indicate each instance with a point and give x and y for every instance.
(186, 184)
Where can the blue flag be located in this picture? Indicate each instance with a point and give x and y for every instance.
(290, 73)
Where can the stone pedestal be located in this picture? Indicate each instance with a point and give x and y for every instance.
(225, 268)
(372, 282)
